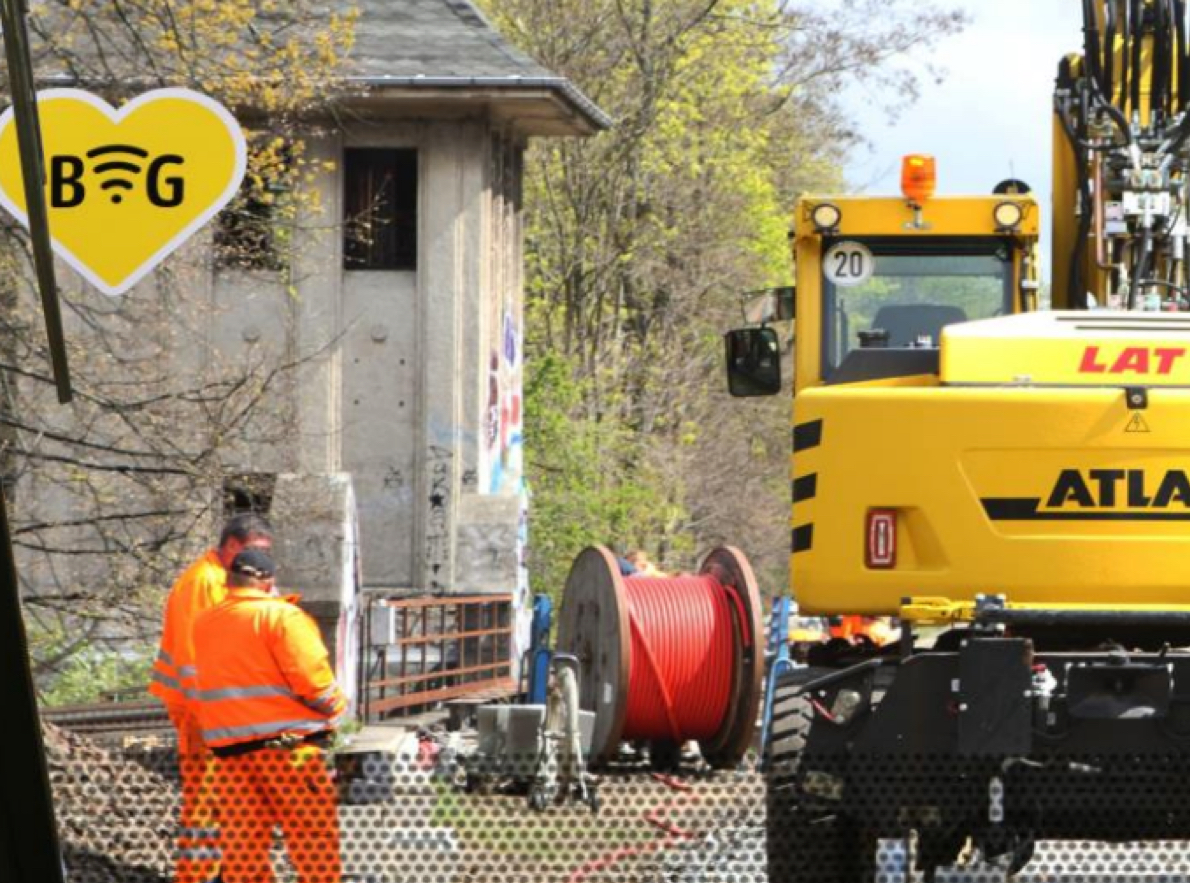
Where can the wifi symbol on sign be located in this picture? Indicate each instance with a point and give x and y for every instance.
(113, 184)
(116, 167)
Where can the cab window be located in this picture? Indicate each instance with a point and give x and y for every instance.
(899, 294)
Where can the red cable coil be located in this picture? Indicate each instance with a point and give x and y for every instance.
(683, 655)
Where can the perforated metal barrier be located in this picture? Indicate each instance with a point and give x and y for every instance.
(429, 816)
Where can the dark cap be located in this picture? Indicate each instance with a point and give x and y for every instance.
(253, 563)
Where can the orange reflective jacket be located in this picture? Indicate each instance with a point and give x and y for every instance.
(198, 589)
(876, 629)
(263, 671)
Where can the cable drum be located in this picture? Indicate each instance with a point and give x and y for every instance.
(666, 660)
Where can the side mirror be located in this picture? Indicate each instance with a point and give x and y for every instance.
(753, 362)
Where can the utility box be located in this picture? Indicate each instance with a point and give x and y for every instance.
(510, 738)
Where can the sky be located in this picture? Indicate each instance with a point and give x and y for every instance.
(989, 119)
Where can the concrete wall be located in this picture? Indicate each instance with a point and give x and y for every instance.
(318, 554)
(411, 382)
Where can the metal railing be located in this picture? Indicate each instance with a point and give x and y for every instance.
(425, 650)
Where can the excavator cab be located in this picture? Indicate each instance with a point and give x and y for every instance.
(878, 279)
(878, 282)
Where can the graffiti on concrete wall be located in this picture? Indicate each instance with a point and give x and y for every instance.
(438, 538)
(522, 627)
(503, 418)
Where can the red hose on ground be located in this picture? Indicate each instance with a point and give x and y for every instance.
(683, 655)
(673, 834)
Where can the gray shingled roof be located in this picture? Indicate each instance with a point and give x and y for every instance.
(434, 38)
(441, 43)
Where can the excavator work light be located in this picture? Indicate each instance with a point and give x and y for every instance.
(1008, 215)
(826, 217)
(919, 177)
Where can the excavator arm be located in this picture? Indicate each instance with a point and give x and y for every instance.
(1122, 160)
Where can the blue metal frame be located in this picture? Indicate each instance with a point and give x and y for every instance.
(540, 654)
(777, 654)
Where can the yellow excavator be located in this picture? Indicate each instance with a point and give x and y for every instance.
(1010, 482)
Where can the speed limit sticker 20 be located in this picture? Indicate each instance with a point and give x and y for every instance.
(848, 263)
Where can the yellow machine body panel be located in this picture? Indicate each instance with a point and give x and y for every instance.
(1070, 348)
(1005, 441)
(893, 216)
(1052, 496)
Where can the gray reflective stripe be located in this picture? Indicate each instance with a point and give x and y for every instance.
(167, 681)
(202, 854)
(258, 692)
(199, 833)
(276, 728)
(324, 701)
(162, 656)
(323, 707)
(328, 693)
(187, 671)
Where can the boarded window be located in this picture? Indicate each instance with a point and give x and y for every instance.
(380, 209)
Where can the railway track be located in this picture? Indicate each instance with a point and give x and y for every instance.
(110, 718)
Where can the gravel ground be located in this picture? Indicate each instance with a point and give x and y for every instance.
(115, 815)
(647, 830)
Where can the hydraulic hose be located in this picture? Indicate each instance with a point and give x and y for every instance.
(1091, 50)
(1159, 87)
(1140, 267)
(1183, 76)
(1077, 296)
(1125, 57)
(1098, 76)
(1109, 53)
(1137, 37)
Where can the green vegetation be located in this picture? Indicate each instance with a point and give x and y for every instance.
(84, 673)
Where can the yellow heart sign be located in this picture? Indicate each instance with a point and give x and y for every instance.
(125, 188)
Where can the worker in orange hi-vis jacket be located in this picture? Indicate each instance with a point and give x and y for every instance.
(268, 704)
(199, 588)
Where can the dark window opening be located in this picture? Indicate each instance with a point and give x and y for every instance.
(248, 492)
(248, 234)
(246, 238)
(380, 209)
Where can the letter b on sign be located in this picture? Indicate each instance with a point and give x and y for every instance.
(66, 182)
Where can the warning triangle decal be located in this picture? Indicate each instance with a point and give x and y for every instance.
(1137, 424)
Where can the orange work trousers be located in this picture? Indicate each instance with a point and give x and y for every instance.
(197, 857)
(276, 786)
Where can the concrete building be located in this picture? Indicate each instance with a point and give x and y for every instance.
(415, 388)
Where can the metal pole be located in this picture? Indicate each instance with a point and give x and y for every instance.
(24, 106)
